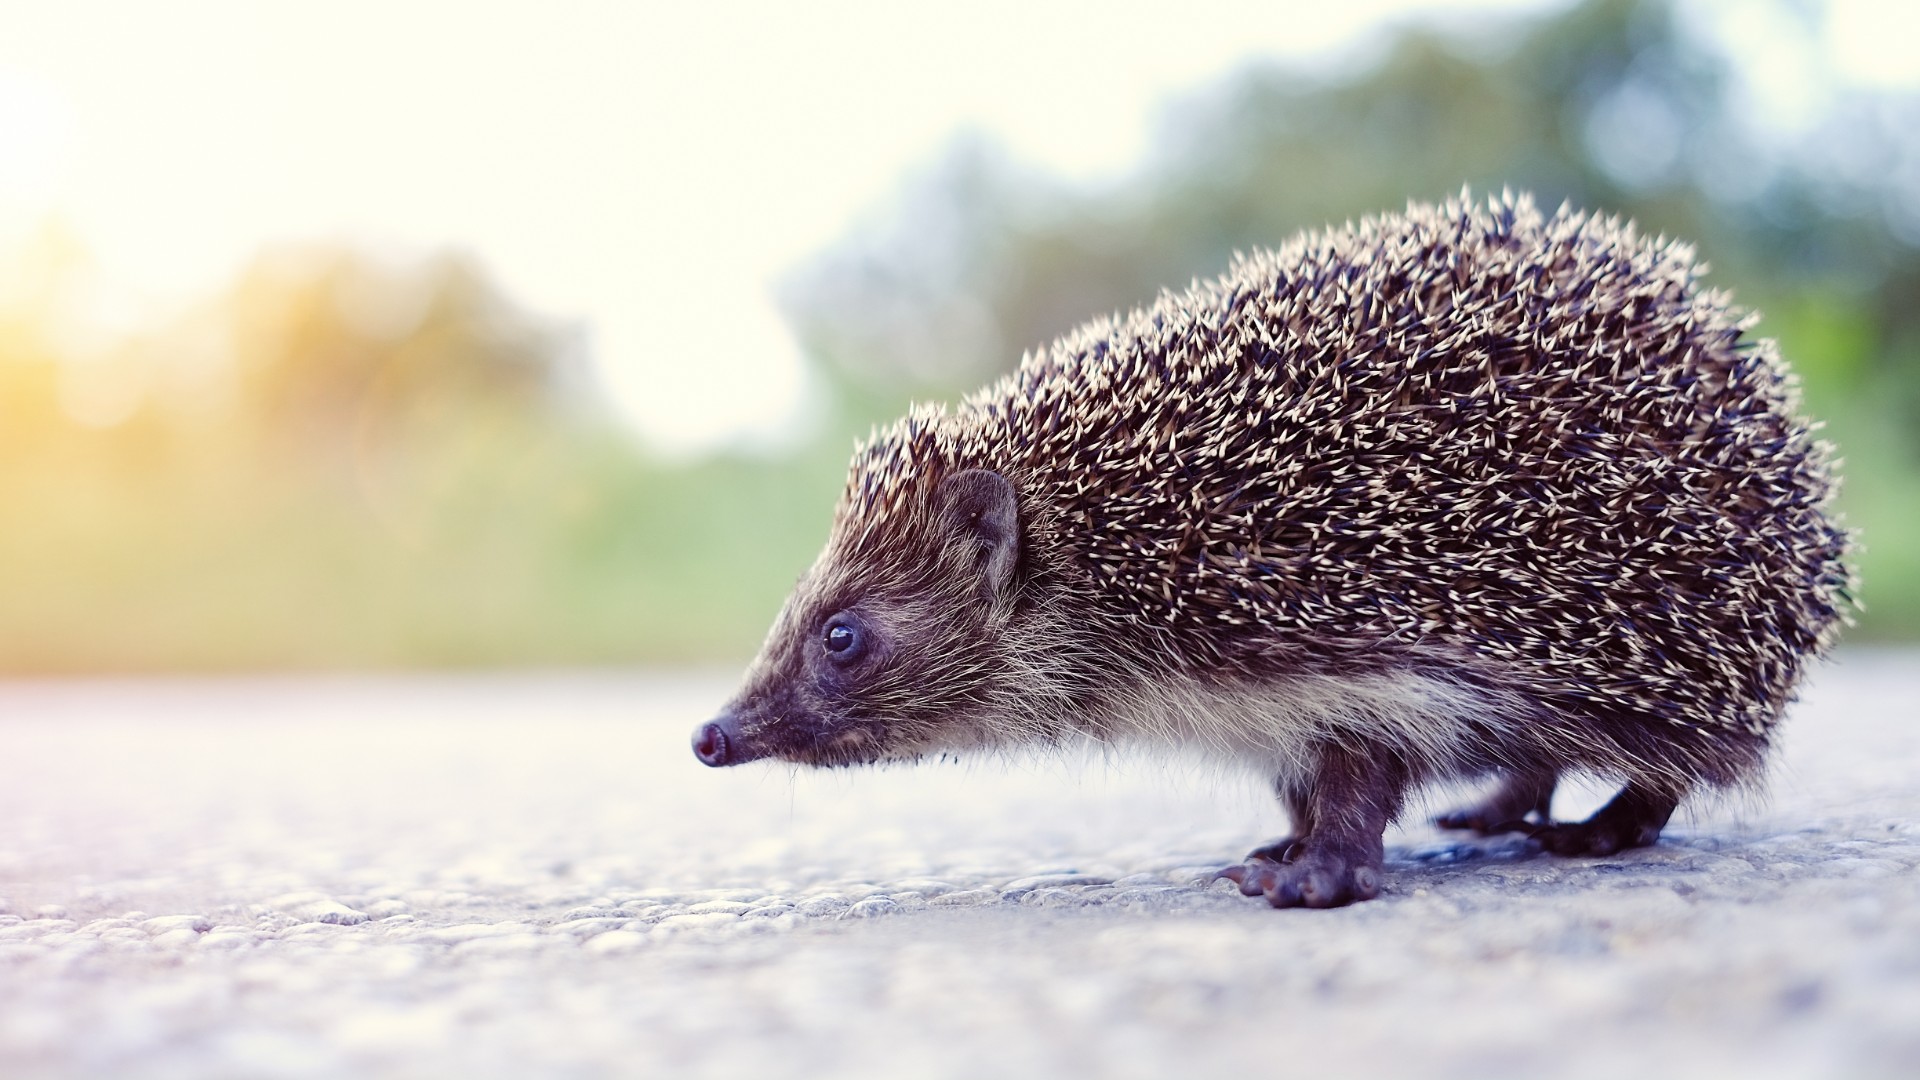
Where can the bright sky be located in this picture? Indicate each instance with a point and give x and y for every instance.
(647, 168)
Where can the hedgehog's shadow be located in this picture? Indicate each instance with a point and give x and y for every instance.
(1516, 860)
(1453, 851)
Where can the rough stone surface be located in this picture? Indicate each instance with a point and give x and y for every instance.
(503, 877)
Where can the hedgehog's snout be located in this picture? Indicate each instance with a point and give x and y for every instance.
(720, 742)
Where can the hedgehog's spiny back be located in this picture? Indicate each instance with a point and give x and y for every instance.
(1465, 432)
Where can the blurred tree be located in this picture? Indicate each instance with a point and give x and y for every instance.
(334, 344)
(38, 283)
(1617, 105)
(346, 459)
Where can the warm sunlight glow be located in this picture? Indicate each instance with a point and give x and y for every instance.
(33, 135)
(1872, 41)
(646, 172)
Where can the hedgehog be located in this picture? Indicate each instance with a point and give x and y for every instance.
(1468, 493)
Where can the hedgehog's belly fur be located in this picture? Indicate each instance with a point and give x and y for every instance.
(1438, 727)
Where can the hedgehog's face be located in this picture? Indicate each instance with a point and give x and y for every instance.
(887, 653)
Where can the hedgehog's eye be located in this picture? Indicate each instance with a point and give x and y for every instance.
(843, 639)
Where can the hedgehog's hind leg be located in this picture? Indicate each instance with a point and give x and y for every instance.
(1336, 854)
(1632, 819)
(1520, 804)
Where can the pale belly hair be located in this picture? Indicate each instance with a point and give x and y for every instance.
(1437, 726)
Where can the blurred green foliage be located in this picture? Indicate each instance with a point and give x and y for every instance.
(346, 461)
(516, 543)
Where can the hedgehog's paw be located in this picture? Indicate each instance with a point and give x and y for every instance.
(1519, 804)
(1595, 837)
(1251, 872)
(1313, 879)
(1633, 819)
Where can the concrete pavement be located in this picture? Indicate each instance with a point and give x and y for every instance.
(530, 876)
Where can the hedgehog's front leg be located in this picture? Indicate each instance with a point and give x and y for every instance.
(1339, 819)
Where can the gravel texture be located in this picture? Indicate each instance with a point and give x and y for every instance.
(531, 876)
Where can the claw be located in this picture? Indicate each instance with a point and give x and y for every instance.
(1285, 893)
(1260, 879)
(1255, 876)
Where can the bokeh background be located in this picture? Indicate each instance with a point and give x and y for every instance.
(364, 335)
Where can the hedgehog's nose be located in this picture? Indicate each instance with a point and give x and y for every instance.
(717, 743)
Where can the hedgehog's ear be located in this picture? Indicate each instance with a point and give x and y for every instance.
(978, 509)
